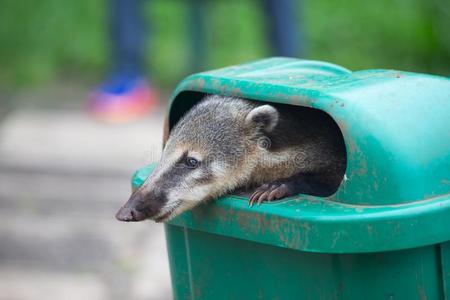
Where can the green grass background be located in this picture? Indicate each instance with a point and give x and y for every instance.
(47, 40)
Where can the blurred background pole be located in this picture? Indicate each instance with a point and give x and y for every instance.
(128, 37)
(196, 33)
(283, 25)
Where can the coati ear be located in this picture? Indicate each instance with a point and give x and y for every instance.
(264, 117)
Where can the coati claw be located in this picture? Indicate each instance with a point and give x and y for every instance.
(269, 192)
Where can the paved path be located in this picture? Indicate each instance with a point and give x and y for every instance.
(62, 178)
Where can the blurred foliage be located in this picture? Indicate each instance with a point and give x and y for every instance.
(40, 40)
(46, 39)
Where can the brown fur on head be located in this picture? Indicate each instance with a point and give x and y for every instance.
(220, 144)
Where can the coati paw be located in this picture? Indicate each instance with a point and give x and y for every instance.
(269, 192)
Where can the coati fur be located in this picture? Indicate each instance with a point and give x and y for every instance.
(223, 144)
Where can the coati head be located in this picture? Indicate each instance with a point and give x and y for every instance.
(213, 149)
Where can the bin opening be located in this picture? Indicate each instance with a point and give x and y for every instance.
(317, 122)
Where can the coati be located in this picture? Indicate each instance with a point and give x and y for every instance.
(223, 144)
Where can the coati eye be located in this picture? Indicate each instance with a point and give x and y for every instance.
(191, 162)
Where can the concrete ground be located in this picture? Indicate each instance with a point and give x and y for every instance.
(63, 176)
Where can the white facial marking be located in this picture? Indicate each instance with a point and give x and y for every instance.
(200, 192)
(195, 154)
(195, 174)
(218, 168)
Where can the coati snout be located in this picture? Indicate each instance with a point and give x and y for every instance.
(225, 143)
(142, 205)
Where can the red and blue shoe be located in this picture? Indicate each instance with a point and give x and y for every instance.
(122, 99)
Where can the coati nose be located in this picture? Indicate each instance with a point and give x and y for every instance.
(141, 205)
(128, 214)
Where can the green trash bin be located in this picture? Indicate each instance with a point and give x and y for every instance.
(385, 234)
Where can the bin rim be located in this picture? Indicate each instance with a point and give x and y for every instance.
(317, 224)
